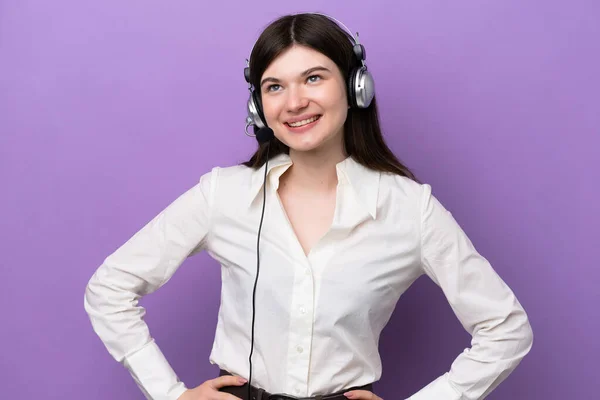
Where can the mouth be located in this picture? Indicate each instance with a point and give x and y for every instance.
(304, 125)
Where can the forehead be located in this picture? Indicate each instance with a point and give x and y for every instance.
(295, 60)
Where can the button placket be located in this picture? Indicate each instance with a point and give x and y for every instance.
(301, 329)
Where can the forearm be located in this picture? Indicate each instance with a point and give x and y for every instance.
(117, 320)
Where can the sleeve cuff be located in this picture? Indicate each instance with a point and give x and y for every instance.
(153, 373)
(440, 389)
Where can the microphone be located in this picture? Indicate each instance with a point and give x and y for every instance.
(263, 135)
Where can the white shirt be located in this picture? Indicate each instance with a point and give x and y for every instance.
(318, 317)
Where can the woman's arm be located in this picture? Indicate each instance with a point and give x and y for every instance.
(139, 267)
(486, 307)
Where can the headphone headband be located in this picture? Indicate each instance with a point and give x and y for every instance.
(354, 40)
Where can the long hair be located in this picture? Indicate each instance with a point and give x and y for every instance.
(363, 139)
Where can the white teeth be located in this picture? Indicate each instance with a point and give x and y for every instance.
(303, 122)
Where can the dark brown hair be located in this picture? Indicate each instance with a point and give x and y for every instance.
(363, 140)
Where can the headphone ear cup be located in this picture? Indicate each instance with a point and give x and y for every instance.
(259, 109)
(364, 87)
(352, 88)
(255, 110)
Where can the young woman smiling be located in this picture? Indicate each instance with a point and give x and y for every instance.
(347, 229)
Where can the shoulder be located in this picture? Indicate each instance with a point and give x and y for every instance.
(228, 185)
(402, 187)
(232, 172)
(418, 197)
(236, 177)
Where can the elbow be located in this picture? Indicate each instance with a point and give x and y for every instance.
(109, 293)
(91, 297)
(514, 336)
(519, 334)
(527, 337)
(99, 294)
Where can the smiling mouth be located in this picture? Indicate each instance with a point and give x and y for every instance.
(304, 122)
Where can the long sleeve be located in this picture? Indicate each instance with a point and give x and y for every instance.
(486, 307)
(139, 267)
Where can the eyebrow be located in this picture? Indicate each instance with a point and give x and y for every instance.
(305, 73)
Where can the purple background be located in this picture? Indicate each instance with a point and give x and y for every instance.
(109, 110)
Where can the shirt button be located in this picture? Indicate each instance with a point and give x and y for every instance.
(303, 310)
(299, 349)
(307, 271)
(298, 390)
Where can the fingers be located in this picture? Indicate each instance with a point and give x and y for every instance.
(227, 380)
(362, 395)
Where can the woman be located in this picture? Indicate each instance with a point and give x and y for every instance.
(347, 229)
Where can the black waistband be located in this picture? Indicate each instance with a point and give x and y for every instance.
(261, 394)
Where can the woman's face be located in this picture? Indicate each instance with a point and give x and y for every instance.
(304, 99)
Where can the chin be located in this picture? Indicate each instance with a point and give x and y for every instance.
(304, 149)
(306, 142)
(316, 146)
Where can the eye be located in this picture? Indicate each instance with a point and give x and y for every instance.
(273, 88)
(313, 78)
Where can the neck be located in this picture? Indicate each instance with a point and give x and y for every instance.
(315, 172)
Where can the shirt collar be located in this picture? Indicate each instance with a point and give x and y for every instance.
(363, 181)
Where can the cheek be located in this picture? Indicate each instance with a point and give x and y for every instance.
(336, 105)
(270, 107)
(334, 99)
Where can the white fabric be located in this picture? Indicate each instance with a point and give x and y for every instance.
(318, 317)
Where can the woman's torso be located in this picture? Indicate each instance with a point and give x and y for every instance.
(318, 316)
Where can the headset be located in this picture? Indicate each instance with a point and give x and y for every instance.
(360, 85)
(361, 90)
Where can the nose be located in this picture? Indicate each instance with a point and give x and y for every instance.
(297, 99)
